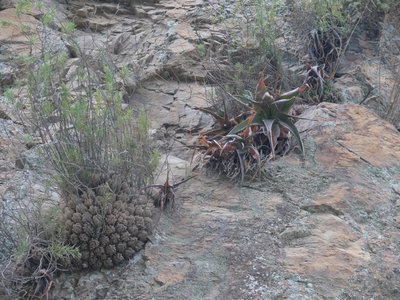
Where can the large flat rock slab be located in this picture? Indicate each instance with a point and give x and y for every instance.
(351, 135)
(322, 227)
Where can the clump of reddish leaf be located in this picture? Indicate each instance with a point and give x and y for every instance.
(243, 144)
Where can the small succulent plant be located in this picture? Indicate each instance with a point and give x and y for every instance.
(108, 223)
(271, 114)
(242, 144)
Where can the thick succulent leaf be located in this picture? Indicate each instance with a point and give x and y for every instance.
(258, 119)
(239, 154)
(286, 122)
(263, 107)
(228, 148)
(242, 102)
(210, 112)
(269, 123)
(267, 97)
(289, 94)
(231, 137)
(284, 105)
(301, 89)
(214, 133)
(223, 121)
(276, 132)
(254, 153)
(247, 96)
(261, 87)
(316, 73)
(238, 128)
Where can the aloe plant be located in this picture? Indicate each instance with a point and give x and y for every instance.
(244, 143)
(272, 113)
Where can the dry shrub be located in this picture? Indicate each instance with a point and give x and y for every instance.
(33, 249)
(329, 25)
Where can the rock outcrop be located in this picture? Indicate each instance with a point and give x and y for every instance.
(322, 227)
(326, 226)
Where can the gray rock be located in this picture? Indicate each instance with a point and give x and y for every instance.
(4, 115)
(7, 4)
(7, 74)
(32, 159)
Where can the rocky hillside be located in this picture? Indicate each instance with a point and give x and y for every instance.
(326, 226)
